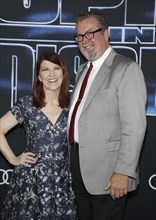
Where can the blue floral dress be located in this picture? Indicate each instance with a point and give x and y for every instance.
(44, 190)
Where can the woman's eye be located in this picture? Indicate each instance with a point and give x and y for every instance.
(44, 69)
(57, 67)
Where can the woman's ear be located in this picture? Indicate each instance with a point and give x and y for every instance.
(39, 78)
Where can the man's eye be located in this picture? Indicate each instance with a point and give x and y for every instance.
(88, 34)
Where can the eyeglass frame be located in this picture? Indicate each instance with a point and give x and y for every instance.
(84, 35)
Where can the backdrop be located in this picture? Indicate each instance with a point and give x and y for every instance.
(29, 27)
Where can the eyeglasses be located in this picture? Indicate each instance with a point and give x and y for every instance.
(87, 35)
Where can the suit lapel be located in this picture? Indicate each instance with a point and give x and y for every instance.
(78, 75)
(100, 77)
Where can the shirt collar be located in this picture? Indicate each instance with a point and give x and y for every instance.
(99, 61)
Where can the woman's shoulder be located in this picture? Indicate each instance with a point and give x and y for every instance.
(26, 99)
(21, 108)
(66, 111)
(24, 102)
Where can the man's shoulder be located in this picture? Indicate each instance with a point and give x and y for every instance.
(120, 58)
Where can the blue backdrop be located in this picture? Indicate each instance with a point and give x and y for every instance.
(30, 27)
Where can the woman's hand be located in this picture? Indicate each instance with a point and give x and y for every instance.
(26, 159)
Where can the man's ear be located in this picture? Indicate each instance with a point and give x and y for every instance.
(106, 34)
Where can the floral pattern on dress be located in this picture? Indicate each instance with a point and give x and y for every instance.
(44, 190)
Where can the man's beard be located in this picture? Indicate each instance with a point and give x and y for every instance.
(89, 55)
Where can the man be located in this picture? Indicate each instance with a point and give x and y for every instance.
(109, 124)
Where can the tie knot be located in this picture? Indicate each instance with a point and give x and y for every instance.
(91, 65)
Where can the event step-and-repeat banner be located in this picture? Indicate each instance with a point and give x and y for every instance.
(28, 27)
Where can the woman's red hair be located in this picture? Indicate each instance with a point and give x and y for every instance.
(38, 91)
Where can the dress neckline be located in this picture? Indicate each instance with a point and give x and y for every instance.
(57, 119)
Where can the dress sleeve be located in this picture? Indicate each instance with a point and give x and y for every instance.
(18, 110)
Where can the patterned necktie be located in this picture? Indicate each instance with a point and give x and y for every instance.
(81, 93)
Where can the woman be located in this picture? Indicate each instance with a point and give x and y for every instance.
(41, 186)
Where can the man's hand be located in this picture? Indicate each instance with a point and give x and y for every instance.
(118, 185)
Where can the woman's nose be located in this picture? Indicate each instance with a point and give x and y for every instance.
(51, 73)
